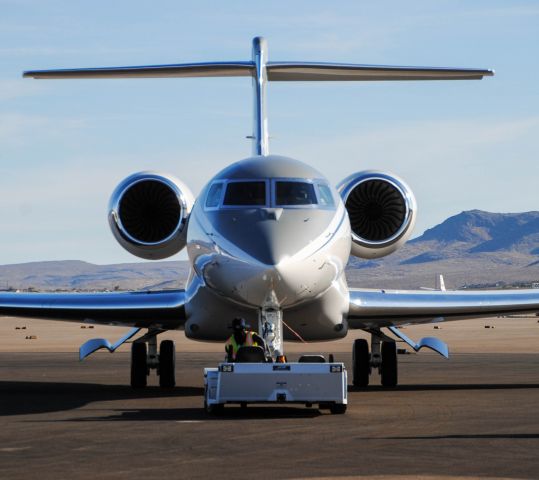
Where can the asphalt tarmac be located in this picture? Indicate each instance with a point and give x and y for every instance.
(475, 415)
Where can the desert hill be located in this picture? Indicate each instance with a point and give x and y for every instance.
(470, 248)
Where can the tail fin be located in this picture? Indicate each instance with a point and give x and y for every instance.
(440, 284)
(262, 71)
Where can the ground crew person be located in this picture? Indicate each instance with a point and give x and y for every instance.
(241, 338)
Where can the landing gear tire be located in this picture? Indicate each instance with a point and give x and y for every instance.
(361, 363)
(388, 369)
(167, 364)
(139, 365)
(337, 408)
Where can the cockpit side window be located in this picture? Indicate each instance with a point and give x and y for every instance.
(326, 198)
(214, 195)
(245, 194)
(294, 193)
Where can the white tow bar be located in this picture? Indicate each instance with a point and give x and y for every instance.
(324, 384)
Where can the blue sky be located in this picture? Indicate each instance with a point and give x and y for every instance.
(64, 145)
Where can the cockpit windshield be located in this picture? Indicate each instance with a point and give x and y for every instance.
(245, 194)
(269, 193)
(294, 193)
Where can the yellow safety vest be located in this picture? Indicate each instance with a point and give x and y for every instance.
(249, 342)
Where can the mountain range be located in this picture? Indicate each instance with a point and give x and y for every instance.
(474, 248)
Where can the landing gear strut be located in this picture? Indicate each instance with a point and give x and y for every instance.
(144, 357)
(383, 357)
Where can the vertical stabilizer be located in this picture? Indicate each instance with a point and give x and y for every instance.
(260, 79)
(440, 284)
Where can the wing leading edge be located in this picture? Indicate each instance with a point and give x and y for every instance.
(385, 308)
(164, 309)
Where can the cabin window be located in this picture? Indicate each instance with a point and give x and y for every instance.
(326, 198)
(214, 195)
(245, 194)
(294, 193)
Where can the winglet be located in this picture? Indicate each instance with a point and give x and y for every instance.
(429, 342)
(91, 346)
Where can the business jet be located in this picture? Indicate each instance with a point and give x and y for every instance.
(268, 239)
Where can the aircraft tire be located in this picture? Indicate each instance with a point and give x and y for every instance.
(389, 371)
(361, 363)
(139, 365)
(167, 364)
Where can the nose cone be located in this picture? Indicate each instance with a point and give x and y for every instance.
(288, 283)
(272, 235)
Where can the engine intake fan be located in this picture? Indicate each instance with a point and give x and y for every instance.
(148, 215)
(381, 209)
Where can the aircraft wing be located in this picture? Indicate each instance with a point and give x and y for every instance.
(386, 308)
(163, 309)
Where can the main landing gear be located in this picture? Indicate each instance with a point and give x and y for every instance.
(144, 357)
(383, 356)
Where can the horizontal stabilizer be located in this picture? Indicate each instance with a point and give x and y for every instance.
(213, 69)
(261, 71)
(313, 71)
(276, 71)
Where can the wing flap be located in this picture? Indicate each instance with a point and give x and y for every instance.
(138, 309)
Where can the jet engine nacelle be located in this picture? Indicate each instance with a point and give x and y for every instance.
(148, 214)
(382, 211)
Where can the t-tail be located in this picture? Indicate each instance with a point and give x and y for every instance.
(261, 71)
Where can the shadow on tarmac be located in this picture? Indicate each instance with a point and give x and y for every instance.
(26, 398)
(29, 398)
(516, 436)
(444, 387)
(231, 412)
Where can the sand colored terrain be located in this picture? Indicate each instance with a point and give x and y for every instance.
(506, 335)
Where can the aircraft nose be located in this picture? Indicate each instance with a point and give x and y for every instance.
(268, 247)
(272, 235)
(261, 251)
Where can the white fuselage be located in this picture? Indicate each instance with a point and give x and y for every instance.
(248, 257)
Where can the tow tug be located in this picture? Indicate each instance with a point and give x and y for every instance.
(264, 376)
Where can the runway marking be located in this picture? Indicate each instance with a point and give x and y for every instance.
(189, 421)
(13, 449)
